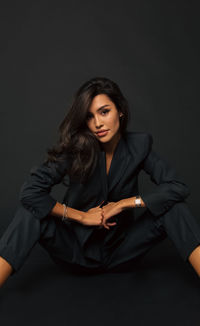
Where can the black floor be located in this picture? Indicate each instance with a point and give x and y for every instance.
(160, 290)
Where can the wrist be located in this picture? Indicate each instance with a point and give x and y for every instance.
(74, 214)
(129, 203)
(124, 204)
(81, 216)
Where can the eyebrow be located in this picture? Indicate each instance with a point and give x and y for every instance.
(101, 107)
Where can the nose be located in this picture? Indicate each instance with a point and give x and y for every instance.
(97, 122)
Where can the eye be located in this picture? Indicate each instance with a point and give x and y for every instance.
(105, 111)
(89, 116)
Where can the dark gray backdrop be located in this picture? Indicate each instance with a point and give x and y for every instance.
(49, 48)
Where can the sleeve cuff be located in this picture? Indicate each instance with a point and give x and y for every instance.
(154, 206)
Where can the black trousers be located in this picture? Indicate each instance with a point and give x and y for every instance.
(24, 231)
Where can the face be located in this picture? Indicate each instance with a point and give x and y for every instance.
(103, 115)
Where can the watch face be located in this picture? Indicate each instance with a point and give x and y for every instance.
(138, 201)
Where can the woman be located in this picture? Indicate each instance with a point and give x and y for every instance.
(99, 162)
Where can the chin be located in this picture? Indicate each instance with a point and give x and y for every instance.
(106, 139)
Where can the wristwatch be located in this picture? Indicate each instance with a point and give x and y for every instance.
(138, 201)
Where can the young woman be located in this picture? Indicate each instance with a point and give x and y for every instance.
(99, 162)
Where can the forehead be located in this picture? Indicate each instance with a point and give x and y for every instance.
(99, 102)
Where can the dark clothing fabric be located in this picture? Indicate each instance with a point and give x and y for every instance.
(166, 210)
(59, 240)
(133, 153)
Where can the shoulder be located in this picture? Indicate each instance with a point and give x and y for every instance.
(139, 142)
(138, 138)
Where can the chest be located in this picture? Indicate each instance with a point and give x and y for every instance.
(108, 163)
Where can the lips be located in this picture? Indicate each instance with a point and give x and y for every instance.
(102, 133)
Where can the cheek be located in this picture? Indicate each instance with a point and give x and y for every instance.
(113, 121)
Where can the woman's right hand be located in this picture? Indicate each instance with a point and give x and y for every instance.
(94, 216)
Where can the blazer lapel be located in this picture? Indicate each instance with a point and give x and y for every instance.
(103, 176)
(120, 160)
(119, 163)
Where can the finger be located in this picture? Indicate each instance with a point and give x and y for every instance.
(109, 223)
(112, 224)
(102, 216)
(101, 203)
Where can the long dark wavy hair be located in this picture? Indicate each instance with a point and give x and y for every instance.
(75, 138)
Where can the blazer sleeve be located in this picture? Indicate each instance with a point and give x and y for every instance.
(35, 194)
(170, 189)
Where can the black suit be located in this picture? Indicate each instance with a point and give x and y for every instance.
(165, 215)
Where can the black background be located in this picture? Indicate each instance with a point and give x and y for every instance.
(49, 48)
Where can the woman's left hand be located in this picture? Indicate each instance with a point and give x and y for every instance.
(110, 209)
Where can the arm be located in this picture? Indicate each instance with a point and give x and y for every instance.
(72, 213)
(170, 188)
(129, 203)
(35, 191)
(35, 194)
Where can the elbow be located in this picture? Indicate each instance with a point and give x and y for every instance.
(22, 196)
(22, 193)
(180, 191)
(24, 201)
(25, 194)
(186, 192)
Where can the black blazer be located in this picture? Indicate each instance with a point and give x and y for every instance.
(133, 153)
